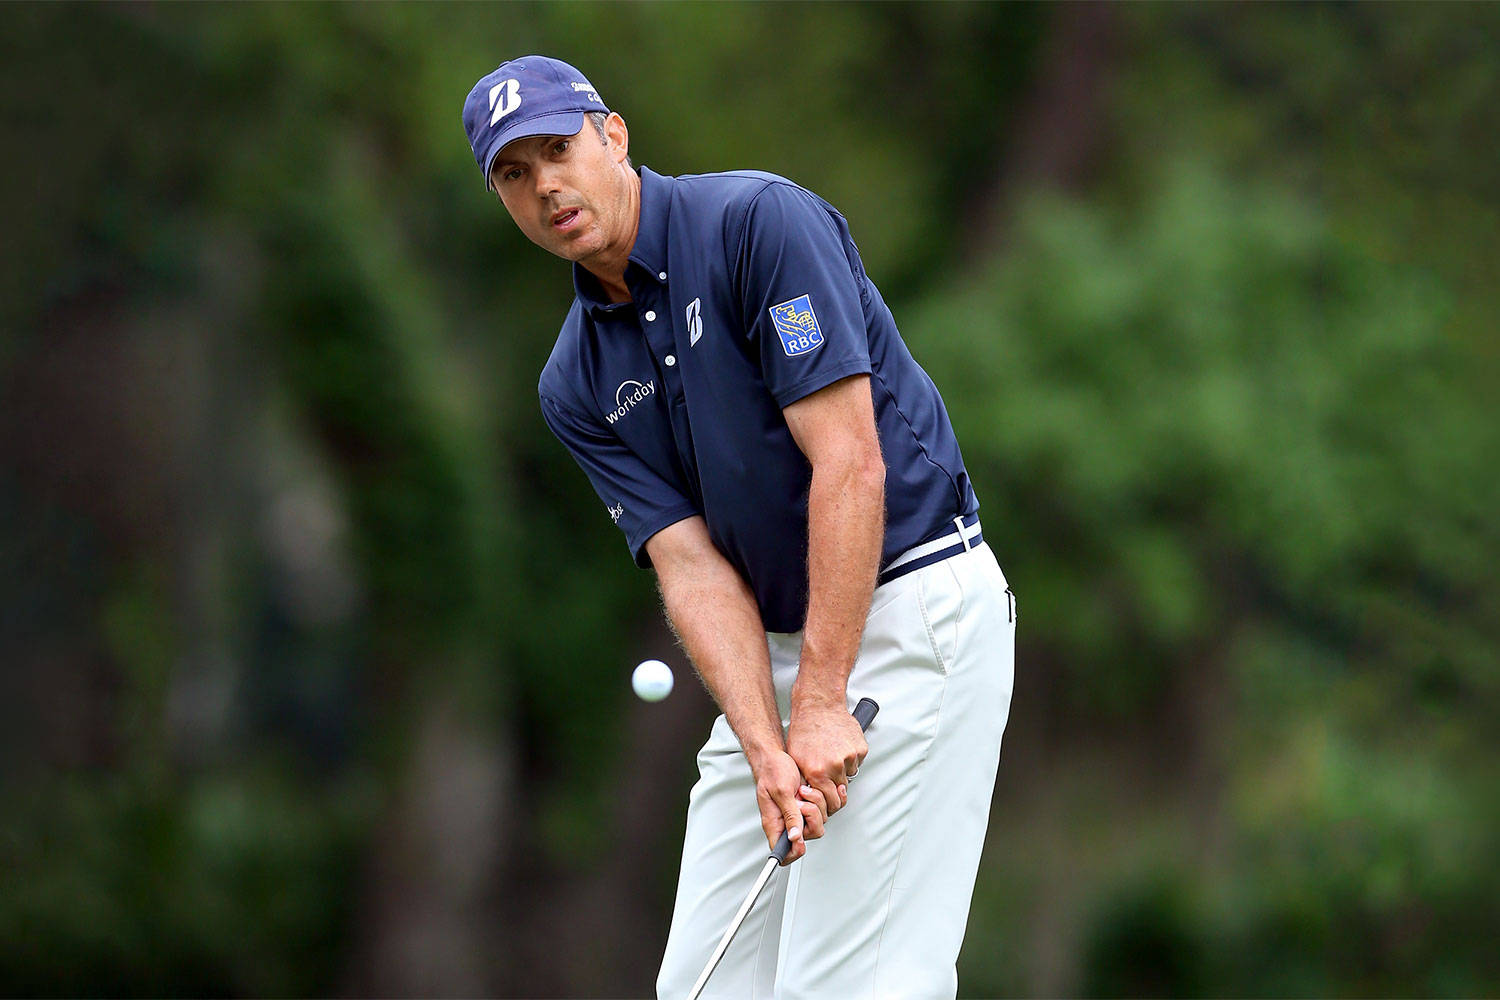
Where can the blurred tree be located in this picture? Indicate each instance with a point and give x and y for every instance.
(1242, 466)
(315, 643)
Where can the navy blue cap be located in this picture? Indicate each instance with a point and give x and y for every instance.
(531, 95)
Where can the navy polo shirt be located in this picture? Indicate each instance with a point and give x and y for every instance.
(748, 294)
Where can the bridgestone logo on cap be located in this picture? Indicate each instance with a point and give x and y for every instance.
(505, 97)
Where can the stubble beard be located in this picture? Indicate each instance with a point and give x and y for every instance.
(587, 244)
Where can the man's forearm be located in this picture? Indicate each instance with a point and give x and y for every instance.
(846, 529)
(716, 618)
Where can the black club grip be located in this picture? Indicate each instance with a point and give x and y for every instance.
(864, 714)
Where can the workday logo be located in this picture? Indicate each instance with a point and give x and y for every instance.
(627, 396)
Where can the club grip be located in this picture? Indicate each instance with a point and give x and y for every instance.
(864, 714)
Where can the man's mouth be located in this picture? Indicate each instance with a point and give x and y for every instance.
(565, 219)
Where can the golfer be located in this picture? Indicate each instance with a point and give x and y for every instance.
(735, 389)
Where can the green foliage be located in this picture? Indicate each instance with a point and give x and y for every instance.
(233, 886)
(1220, 441)
(1209, 401)
(1148, 942)
(1227, 410)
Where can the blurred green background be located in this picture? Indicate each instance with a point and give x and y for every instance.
(315, 647)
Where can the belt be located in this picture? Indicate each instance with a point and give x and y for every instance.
(964, 536)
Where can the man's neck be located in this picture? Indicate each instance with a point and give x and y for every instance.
(609, 267)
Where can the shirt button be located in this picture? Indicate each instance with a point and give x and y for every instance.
(670, 360)
(662, 276)
(650, 315)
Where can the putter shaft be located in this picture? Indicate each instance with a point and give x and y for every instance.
(734, 925)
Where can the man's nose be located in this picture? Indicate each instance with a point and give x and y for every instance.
(547, 180)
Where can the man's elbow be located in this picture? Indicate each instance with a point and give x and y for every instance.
(872, 470)
(857, 468)
(682, 548)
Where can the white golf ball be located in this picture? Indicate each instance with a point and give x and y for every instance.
(652, 680)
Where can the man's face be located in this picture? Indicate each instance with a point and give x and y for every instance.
(569, 194)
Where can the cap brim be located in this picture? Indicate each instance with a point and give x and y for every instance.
(561, 123)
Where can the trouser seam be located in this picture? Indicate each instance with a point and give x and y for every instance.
(885, 922)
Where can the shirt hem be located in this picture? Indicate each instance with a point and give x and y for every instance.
(821, 379)
(653, 527)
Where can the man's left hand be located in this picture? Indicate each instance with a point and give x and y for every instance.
(827, 744)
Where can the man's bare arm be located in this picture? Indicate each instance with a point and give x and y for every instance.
(715, 616)
(835, 428)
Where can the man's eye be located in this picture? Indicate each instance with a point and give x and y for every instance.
(560, 147)
(512, 173)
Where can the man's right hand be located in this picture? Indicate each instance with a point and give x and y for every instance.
(787, 803)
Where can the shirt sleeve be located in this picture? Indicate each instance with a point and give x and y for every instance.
(639, 500)
(802, 294)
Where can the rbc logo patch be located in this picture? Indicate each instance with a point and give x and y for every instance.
(797, 325)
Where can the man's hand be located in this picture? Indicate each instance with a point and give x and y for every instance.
(778, 792)
(827, 745)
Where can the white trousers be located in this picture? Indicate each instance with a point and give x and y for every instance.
(877, 906)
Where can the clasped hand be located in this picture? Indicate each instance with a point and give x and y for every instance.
(799, 789)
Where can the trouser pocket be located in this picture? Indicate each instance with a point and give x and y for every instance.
(940, 597)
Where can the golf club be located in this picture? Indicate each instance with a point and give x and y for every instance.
(864, 712)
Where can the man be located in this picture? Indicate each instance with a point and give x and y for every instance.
(737, 392)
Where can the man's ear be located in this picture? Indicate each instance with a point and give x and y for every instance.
(619, 136)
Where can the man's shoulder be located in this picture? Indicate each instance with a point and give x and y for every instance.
(731, 188)
(726, 202)
(729, 181)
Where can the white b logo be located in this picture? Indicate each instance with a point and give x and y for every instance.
(694, 322)
(505, 97)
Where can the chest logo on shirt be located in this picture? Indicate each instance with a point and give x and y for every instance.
(797, 325)
(694, 321)
(627, 396)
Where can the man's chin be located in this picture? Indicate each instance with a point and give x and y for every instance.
(576, 250)
(568, 250)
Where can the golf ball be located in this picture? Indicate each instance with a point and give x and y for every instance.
(652, 680)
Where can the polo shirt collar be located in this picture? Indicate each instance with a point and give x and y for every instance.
(650, 250)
